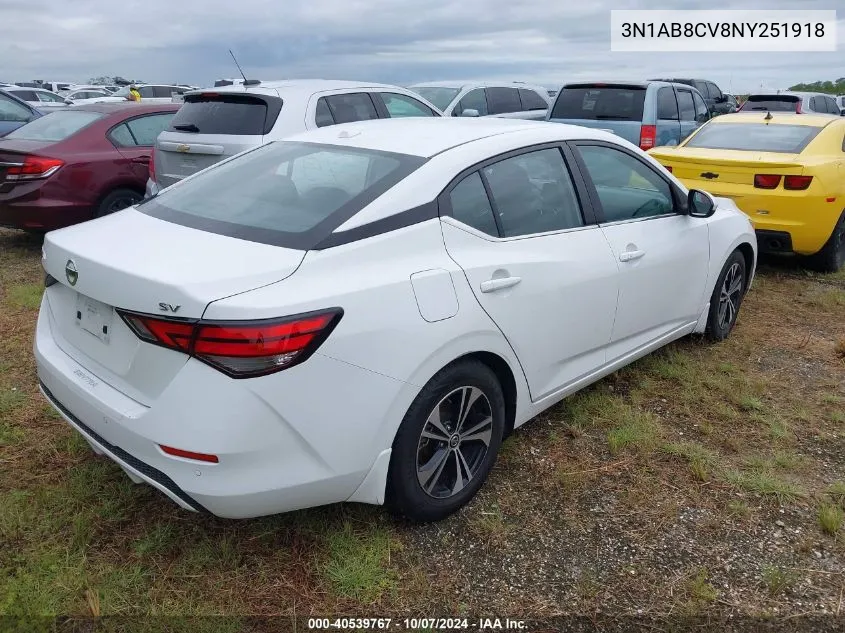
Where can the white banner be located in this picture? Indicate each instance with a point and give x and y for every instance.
(723, 31)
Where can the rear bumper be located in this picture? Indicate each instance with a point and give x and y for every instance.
(282, 444)
(43, 214)
(773, 241)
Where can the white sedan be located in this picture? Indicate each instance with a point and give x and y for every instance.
(363, 312)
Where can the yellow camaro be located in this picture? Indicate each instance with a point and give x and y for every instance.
(785, 171)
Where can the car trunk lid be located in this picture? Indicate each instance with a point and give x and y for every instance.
(211, 126)
(710, 168)
(134, 262)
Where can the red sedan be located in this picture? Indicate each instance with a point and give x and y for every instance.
(78, 163)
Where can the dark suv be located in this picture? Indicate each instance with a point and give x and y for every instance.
(716, 100)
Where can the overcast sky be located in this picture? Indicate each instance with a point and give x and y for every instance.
(397, 41)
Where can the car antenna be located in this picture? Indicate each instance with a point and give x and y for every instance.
(247, 82)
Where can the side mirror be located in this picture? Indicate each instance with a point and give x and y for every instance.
(469, 112)
(700, 204)
(722, 99)
(68, 101)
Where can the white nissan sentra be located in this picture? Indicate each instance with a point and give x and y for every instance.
(363, 312)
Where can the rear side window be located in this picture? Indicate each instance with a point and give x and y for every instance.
(503, 100)
(773, 103)
(11, 110)
(531, 100)
(47, 97)
(26, 95)
(298, 193)
(702, 113)
(145, 129)
(832, 108)
(701, 86)
(713, 90)
(323, 116)
(399, 105)
(347, 108)
(755, 137)
(473, 100)
(471, 205)
(56, 126)
(147, 92)
(235, 114)
(686, 105)
(600, 103)
(667, 105)
(533, 193)
(121, 136)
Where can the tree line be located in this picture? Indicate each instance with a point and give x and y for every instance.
(829, 87)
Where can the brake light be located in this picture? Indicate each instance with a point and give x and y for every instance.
(152, 166)
(33, 168)
(798, 107)
(797, 183)
(668, 168)
(240, 349)
(648, 134)
(766, 181)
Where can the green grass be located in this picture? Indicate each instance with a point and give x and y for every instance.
(764, 483)
(356, 563)
(777, 580)
(702, 461)
(836, 491)
(10, 401)
(489, 525)
(828, 299)
(25, 296)
(637, 431)
(830, 518)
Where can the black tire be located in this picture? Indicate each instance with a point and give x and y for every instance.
(117, 200)
(449, 390)
(726, 298)
(832, 255)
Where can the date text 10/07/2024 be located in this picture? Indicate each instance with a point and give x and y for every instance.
(439, 624)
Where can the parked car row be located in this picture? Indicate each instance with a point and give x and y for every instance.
(380, 283)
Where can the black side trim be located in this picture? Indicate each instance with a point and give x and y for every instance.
(154, 474)
(422, 213)
(774, 241)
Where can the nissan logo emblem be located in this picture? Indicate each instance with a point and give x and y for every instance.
(71, 273)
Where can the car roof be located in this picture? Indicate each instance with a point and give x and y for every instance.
(428, 136)
(130, 107)
(479, 84)
(777, 118)
(303, 85)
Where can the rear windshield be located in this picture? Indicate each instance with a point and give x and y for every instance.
(776, 103)
(222, 114)
(284, 193)
(755, 137)
(440, 97)
(56, 126)
(600, 103)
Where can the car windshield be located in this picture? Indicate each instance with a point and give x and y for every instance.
(284, 193)
(621, 103)
(55, 126)
(440, 97)
(755, 137)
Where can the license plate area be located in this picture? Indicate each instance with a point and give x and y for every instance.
(94, 317)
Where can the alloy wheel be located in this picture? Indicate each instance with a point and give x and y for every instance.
(123, 202)
(730, 296)
(454, 442)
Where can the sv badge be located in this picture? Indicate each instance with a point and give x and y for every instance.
(166, 307)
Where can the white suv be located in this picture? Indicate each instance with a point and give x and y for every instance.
(510, 100)
(150, 93)
(216, 123)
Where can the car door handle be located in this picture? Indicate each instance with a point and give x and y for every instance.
(627, 256)
(492, 285)
(144, 160)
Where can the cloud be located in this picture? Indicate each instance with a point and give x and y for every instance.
(384, 40)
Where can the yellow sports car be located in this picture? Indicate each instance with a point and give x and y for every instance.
(785, 171)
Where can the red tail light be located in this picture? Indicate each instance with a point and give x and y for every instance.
(668, 168)
(648, 134)
(152, 166)
(798, 107)
(766, 181)
(797, 183)
(33, 168)
(240, 349)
